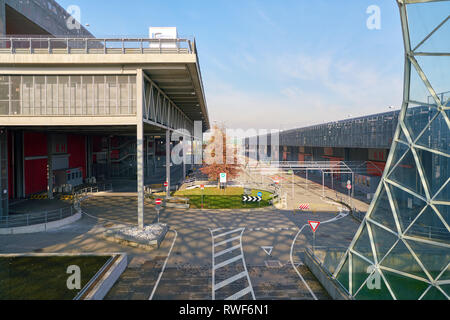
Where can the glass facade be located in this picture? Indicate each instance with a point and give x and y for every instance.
(69, 95)
(402, 248)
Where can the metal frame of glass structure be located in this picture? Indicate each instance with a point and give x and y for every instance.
(388, 258)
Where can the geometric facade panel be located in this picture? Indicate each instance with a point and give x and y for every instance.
(402, 247)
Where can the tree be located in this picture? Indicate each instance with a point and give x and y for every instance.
(220, 157)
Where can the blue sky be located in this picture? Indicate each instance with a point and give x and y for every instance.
(275, 64)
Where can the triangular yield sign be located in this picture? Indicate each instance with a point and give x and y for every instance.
(267, 250)
(314, 225)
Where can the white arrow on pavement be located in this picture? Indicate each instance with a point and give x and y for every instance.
(267, 250)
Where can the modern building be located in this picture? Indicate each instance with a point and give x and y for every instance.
(402, 248)
(73, 106)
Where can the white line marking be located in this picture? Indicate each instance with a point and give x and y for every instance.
(226, 233)
(292, 249)
(240, 293)
(164, 266)
(226, 241)
(230, 280)
(226, 262)
(226, 251)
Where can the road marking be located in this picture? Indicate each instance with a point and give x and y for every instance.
(240, 294)
(267, 250)
(233, 278)
(226, 241)
(164, 266)
(338, 217)
(226, 233)
(230, 280)
(226, 262)
(226, 251)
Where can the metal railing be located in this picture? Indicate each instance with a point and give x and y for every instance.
(95, 46)
(28, 219)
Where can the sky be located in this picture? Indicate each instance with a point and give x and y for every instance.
(275, 64)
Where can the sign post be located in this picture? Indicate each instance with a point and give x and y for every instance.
(259, 194)
(314, 225)
(166, 185)
(202, 187)
(349, 187)
(223, 178)
(292, 173)
(158, 207)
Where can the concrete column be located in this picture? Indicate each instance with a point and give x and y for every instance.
(184, 156)
(49, 166)
(168, 162)
(140, 146)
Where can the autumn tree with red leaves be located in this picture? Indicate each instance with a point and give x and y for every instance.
(220, 157)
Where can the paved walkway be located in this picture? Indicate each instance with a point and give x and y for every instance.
(188, 273)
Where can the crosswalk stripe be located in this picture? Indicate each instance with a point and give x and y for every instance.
(230, 280)
(226, 241)
(226, 262)
(226, 233)
(239, 294)
(221, 253)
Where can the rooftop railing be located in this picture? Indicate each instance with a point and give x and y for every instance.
(16, 45)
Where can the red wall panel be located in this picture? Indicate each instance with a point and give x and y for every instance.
(35, 144)
(76, 147)
(35, 176)
(10, 167)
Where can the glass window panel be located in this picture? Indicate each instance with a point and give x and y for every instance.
(436, 71)
(363, 246)
(405, 288)
(429, 226)
(383, 241)
(434, 294)
(424, 18)
(375, 289)
(406, 205)
(433, 258)
(342, 276)
(400, 259)
(360, 272)
(382, 212)
(405, 173)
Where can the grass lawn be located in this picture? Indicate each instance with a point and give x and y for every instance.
(230, 198)
(36, 278)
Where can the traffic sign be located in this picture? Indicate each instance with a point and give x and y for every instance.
(166, 184)
(259, 194)
(223, 177)
(202, 186)
(349, 186)
(314, 225)
(251, 199)
(158, 201)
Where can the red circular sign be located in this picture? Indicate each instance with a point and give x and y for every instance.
(202, 186)
(166, 184)
(158, 201)
(349, 186)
